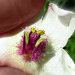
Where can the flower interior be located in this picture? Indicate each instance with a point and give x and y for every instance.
(32, 45)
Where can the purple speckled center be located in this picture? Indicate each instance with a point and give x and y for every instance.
(29, 51)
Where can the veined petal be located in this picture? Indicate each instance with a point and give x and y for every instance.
(59, 25)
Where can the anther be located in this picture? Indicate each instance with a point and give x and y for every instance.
(33, 30)
(39, 41)
(26, 37)
(41, 32)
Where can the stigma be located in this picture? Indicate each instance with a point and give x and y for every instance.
(32, 45)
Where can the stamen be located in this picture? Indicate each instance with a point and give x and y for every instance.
(41, 32)
(33, 30)
(39, 41)
(26, 37)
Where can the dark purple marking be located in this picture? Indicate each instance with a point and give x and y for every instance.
(33, 53)
(37, 51)
(28, 48)
(34, 37)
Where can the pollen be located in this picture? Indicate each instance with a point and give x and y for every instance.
(33, 46)
(33, 29)
(41, 32)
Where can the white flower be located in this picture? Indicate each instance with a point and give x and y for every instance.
(59, 25)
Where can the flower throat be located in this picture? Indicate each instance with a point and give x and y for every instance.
(32, 45)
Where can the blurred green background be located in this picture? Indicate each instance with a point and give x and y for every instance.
(67, 5)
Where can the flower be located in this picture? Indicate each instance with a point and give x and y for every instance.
(58, 25)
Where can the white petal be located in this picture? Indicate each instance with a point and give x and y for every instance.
(61, 64)
(59, 25)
